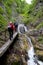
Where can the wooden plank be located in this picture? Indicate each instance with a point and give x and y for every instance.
(4, 48)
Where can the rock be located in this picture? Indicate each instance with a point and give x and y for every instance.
(40, 57)
(41, 31)
(33, 32)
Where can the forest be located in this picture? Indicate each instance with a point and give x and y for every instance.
(29, 14)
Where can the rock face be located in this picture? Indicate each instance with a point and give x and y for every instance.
(38, 48)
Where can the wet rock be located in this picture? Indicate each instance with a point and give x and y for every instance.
(40, 57)
(41, 31)
(26, 57)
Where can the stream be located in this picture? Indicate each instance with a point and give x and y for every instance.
(33, 60)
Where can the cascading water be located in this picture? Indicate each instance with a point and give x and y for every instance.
(32, 57)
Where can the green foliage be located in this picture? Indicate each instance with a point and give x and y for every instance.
(0, 1)
(5, 12)
(31, 14)
(20, 6)
(8, 2)
(3, 21)
(26, 10)
(40, 12)
(8, 9)
(1, 10)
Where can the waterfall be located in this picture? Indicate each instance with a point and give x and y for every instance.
(33, 60)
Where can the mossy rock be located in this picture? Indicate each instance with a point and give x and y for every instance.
(40, 57)
(15, 63)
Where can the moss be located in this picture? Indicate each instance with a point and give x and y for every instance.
(15, 63)
(0, 1)
(40, 38)
(40, 57)
(39, 53)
